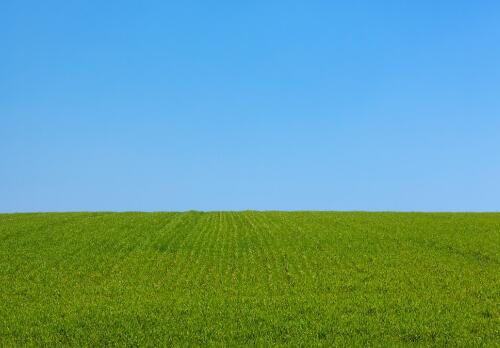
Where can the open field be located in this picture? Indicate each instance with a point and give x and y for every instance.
(270, 278)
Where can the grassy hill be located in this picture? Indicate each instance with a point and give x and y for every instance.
(265, 278)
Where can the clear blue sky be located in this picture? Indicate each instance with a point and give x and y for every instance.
(229, 105)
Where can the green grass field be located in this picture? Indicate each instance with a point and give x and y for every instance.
(250, 278)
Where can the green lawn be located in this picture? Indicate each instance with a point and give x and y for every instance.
(250, 278)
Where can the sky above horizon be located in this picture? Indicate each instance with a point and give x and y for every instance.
(266, 105)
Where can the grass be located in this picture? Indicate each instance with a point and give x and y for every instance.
(250, 278)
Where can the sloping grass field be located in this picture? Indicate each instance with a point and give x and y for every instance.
(250, 278)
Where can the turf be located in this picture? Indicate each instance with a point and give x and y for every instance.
(250, 278)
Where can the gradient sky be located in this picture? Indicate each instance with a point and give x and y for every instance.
(230, 105)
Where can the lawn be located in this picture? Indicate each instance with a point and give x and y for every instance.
(250, 278)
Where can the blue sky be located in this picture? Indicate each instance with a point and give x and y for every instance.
(230, 105)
